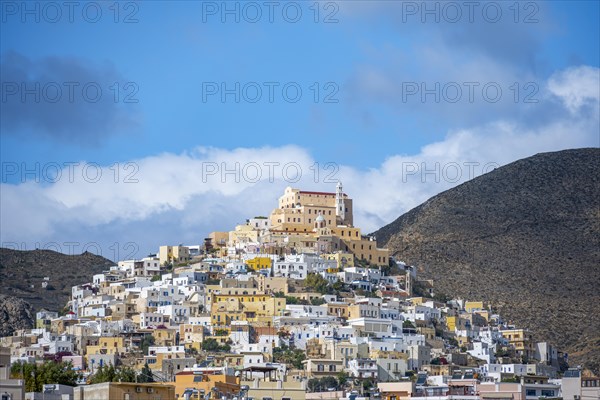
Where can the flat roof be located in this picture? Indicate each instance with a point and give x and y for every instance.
(260, 369)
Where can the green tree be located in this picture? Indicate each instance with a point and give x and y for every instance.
(313, 384)
(155, 278)
(316, 282)
(408, 324)
(329, 382)
(338, 286)
(210, 344)
(289, 356)
(145, 375)
(125, 374)
(147, 341)
(112, 374)
(367, 384)
(342, 377)
(502, 352)
(104, 374)
(37, 375)
(317, 301)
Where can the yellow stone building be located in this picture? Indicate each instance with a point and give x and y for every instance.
(107, 345)
(173, 254)
(343, 260)
(155, 360)
(218, 239)
(303, 217)
(258, 263)
(456, 322)
(191, 336)
(273, 284)
(471, 306)
(164, 337)
(243, 234)
(125, 390)
(226, 308)
(522, 340)
(205, 384)
(299, 209)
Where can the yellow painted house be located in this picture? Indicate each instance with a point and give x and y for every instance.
(471, 306)
(107, 345)
(245, 307)
(456, 322)
(155, 360)
(191, 336)
(205, 383)
(343, 260)
(521, 339)
(258, 263)
(164, 337)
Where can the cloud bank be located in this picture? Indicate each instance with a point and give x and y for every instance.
(180, 198)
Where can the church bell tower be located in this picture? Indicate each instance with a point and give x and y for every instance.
(340, 207)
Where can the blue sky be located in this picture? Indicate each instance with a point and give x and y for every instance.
(366, 59)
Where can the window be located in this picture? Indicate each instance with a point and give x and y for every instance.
(530, 392)
(320, 368)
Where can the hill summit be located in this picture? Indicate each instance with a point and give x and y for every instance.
(22, 273)
(525, 237)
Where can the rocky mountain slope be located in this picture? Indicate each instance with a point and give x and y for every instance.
(22, 274)
(14, 314)
(525, 237)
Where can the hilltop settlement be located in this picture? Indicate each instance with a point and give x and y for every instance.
(299, 305)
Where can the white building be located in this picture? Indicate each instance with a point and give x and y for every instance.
(495, 371)
(483, 351)
(177, 313)
(151, 320)
(260, 223)
(362, 368)
(293, 270)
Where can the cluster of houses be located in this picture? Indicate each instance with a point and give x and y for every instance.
(295, 306)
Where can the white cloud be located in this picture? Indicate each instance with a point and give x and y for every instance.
(182, 197)
(577, 87)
